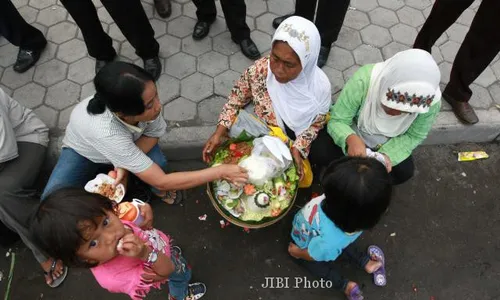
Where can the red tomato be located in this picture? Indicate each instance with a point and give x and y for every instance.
(232, 147)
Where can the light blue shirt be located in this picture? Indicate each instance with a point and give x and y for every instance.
(314, 231)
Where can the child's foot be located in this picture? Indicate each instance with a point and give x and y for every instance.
(353, 292)
(372, 266)
(54, 271)
(376, 265)
(196, 291)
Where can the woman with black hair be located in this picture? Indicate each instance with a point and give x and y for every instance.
(120, 126)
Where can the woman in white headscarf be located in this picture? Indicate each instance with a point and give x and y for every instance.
(287, 90)
(387, 109)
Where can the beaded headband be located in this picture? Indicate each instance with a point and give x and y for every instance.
(405, 98)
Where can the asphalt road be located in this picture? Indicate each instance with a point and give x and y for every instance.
(440, 237)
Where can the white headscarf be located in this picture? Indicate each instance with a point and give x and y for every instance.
(298, 102)
(410, 75)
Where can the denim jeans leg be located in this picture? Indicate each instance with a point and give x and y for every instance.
(326, 270)
(71, 170)
(356, 256)
(158, 158)
(178, 281)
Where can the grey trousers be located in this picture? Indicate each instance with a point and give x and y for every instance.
(17, 192)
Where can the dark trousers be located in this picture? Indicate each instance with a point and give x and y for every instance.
(15, 29)
(235, 12)
(329, 18)
(478, 49)
(130, 18)
(329, 271)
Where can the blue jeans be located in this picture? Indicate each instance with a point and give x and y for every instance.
(178, 281)
(74, 170)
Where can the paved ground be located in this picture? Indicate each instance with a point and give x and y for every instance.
(199, 74)
(445, 245)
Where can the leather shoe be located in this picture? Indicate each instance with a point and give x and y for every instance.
(163, 8)
(249, 49)
(277, 21)
(201, 30)
(153, 67)
(463, 111)
(323, 56)
(26, 59)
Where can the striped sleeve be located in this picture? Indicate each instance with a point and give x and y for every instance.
(157, 128)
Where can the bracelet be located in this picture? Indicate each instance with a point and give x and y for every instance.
(152, 257)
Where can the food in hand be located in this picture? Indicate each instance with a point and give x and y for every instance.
(103, 185)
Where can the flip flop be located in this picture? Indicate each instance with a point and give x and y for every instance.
(355, 294)
(59, 280)
(173, 197)
(379, 276)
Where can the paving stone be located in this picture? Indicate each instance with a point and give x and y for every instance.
(9, 55)
(41, 4)
(212, 63)
(126, 50)
(160, 27)
(28, 13)
(411, 16)
(64, 116)
(466, 17)
(262, 40)
(445, 106)
(239, 62)
(364, 5)
(418, 4)
(6, 90)
(281, 7)
(169, 45)
(72, 51)
(336, 78)
(365, 54)
(457, 32)
(197, 87)
(348, 38)
(449, 50)
(115, 33)
(30, 95)
(340, 59)
(168, 87)
(223, 44)
(224, 82)
(82, 71)
(393, 48)
(218, 27)
(196, 48)
(62, 95)
(180, 65)
(1, 71)
(62, 32)
(20, 3)
(51, 15)
(376, 36)
(104, 16)
(356, 19)
(383, 17)
(88, 90)
(495, 92)
(49, 53)
(148, 9)
(181, 26)
(97, 3)
(209, 109)
(251, 23)
(47, 115)
(264, 23)
(391, 4)
(349, 72)
(256, 8)
(445, 68)
(480, 97)
(189, 10)
(14, 80)
(486, 78)
(403, 34)
(496, 68)
(436, 54)
(3, 41)
(179, 110)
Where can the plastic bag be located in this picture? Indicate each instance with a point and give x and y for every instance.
(249, 123)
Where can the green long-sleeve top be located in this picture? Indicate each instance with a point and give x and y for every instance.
(346, 111)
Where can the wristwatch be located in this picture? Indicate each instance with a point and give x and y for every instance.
(152, 257)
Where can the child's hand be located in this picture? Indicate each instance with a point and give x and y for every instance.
(294, 250)
(130, 245)
(147, 214)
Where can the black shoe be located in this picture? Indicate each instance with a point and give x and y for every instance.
(463, 111)
(277, 21)
(153, 67)
(201, 30)
(99, 64)
(163, 8)
(323, 56)
(249, 48)
(26, 59)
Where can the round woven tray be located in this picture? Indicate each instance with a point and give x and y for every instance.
(251, 225)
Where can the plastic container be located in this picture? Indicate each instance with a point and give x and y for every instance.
(130, 211)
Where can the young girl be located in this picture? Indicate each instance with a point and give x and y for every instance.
(83, 229)
(357, 191)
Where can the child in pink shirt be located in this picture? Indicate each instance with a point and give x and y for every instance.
(83, 229)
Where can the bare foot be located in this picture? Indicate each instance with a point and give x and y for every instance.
(372, 266)
(350, 285)
(58, 270)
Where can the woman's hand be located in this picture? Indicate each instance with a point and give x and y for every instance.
(388, 164)
(233, 173)
(355, 146)
(131, 246)
(213, 143)
(299, 162)
(147, 214)
(120, 175)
